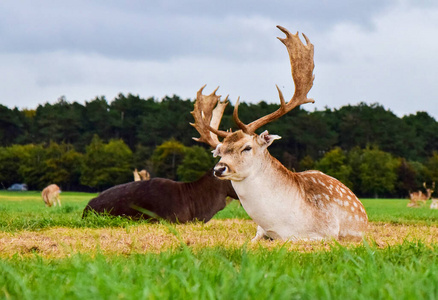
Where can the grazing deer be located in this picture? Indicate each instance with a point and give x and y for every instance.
(286, 205)
(142, 175)
(161, 198)
(51, 195)
(419, 198)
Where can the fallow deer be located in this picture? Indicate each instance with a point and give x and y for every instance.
(51, 195)
(142, 175)
(419, 198)
(286, 205)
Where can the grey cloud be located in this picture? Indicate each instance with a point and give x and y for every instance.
(166, 29)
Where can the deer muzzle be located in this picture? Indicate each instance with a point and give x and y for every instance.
(220, 169)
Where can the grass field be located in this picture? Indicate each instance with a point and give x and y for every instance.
(51, 253)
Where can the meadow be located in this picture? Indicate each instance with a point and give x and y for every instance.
(52, 253)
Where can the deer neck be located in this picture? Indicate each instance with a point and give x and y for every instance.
(267, 180)
(206, 196)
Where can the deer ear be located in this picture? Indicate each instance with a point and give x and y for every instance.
(266, 139)
(216, 152)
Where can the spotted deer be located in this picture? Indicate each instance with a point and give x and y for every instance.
(285, 205)
(419, 198)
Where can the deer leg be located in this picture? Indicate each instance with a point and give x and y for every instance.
(261, 233)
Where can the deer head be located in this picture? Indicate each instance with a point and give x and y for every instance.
(429, 191)
(240, 148)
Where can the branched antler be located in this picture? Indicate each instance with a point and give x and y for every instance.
(301, 60)
(208, 117)
(207, 120)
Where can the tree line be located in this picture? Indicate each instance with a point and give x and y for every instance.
(95, 145)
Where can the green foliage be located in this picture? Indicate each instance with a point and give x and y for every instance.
(105, 165)
(196, 162)
(307, 163)
(166, 159)
(143, 124)
(432, 167)
(376, 171)
(10, 161)
(334, 163)
(33, 167)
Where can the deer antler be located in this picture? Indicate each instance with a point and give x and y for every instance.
(301, 59)
(208, 117)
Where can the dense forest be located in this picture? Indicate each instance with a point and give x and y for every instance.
(96, 145)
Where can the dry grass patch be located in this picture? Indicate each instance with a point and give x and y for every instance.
(230, 233)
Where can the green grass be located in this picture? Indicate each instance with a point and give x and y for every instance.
(26, 211)
(395, 211)
(407, 271)
(403, 271)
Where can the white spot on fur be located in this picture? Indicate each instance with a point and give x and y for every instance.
(355, 203)
(346, 203)
(339, 202)
(352, 208)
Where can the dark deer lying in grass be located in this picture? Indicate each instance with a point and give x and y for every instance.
(419, 198)
(286, 205)
(161, 198)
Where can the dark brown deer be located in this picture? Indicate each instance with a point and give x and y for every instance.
(286, 205)
(161, 198)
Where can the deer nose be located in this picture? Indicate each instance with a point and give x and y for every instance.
(220, 169)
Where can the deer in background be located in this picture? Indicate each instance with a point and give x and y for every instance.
(161, 198)
(142, 175)
(285, 205)
(51, 195)
(419, 198)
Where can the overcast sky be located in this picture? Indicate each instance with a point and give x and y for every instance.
(375, 51)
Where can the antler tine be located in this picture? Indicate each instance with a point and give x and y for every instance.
(207, 117)
(302, 65)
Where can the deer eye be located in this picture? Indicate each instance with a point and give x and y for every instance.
(247, 148)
